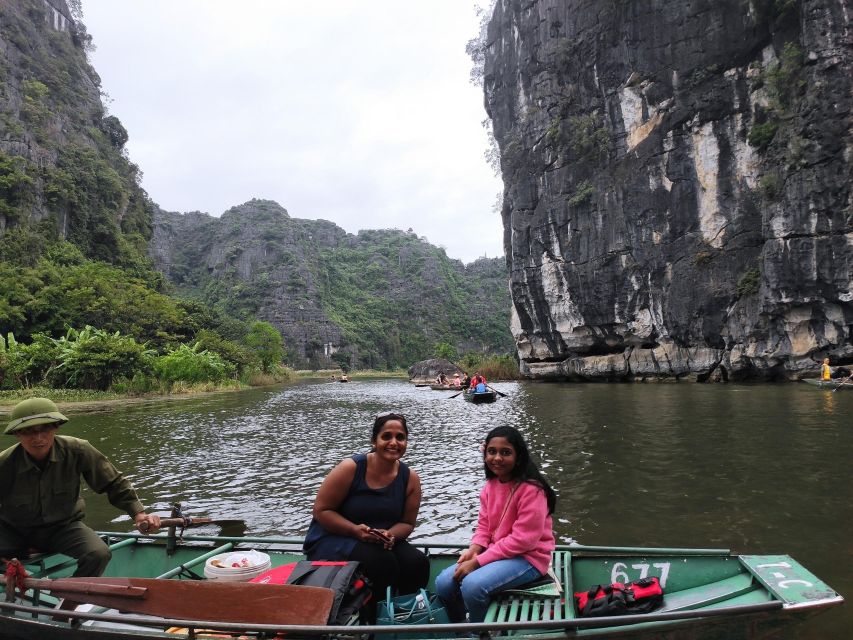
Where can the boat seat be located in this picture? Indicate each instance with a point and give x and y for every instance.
(707, 595)
(522, 604)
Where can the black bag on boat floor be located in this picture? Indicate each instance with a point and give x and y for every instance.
(352, 589)
(617, 599)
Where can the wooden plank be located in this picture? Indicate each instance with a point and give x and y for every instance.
(210, 600)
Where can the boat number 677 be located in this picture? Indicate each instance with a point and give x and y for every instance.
(620, 572)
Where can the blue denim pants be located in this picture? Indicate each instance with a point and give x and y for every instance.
(475, 592)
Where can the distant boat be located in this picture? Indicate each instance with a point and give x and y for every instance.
(444, 387)
(480, 397)
(830, 384)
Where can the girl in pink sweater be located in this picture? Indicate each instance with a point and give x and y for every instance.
(513, 541)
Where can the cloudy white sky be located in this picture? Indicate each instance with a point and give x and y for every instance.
(361, 113)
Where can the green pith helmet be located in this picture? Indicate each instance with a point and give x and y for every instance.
(33, 411)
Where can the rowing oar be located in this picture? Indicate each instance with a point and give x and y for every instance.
(456, 394)
(500, 393)
(193, 522)
(843, 382)
(204, 600)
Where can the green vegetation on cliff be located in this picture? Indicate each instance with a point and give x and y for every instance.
(376, 300)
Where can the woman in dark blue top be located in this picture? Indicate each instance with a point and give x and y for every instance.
(367, 507)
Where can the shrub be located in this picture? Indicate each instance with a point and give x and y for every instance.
(583, 193)
(236, 354)
(445, 350)
(783, 79)
(702, 258)
(762, 134)
(749, 283)
(770, 186)
(588, 135)
(192, 364)
(93, 358)
(493, 367)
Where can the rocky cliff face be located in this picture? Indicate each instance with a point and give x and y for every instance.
(63, 169)
(376, 299)
(677, 184)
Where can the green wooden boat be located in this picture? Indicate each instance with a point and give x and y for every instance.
(830, 384)
(709, 593)
(481, 397)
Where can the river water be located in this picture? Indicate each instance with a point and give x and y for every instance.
(757, 469)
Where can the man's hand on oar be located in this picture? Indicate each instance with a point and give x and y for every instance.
(146, 522)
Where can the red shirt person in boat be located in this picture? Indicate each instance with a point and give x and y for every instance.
(40, 503)
(478, 380)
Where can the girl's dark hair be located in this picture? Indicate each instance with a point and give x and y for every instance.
(382, 418)
(525, 470)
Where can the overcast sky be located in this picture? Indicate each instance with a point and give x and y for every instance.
(361, 113)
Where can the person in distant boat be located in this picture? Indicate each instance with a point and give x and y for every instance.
(344, 378)
(40, 503)
(441, 378)
(466, 381)
(367, 507)
(513, 542)
(825, 370)
(457, 381)
(478, 383)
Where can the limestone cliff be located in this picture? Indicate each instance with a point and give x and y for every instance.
(376, 299)
(677, 184)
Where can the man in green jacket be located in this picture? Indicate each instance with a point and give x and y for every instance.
(40, 503)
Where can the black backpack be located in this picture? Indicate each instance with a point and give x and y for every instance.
(352, 589)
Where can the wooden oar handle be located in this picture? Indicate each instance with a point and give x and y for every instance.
(180, 522)
(176, 522)
(72, 585)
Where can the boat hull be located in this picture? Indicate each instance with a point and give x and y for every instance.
(480, 398)
(830, 384)
(709, 594)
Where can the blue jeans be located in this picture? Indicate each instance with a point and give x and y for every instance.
(475, 592)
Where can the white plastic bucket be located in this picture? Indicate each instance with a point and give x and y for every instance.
(236, 566)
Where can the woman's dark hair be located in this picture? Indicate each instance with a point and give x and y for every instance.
(382, 418)
(525, 470)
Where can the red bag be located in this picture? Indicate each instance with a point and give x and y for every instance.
(644, 595)
(640, 596)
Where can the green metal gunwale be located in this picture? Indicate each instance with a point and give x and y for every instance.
(432, 629)
(428, 544)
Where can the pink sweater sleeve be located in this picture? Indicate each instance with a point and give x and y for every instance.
(526, 528)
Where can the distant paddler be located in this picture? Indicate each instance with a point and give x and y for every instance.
(825, 371)
(40, 503)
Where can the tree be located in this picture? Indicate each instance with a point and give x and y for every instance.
(267, 344)
(445, 350)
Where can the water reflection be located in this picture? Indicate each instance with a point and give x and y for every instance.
(762, 469)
